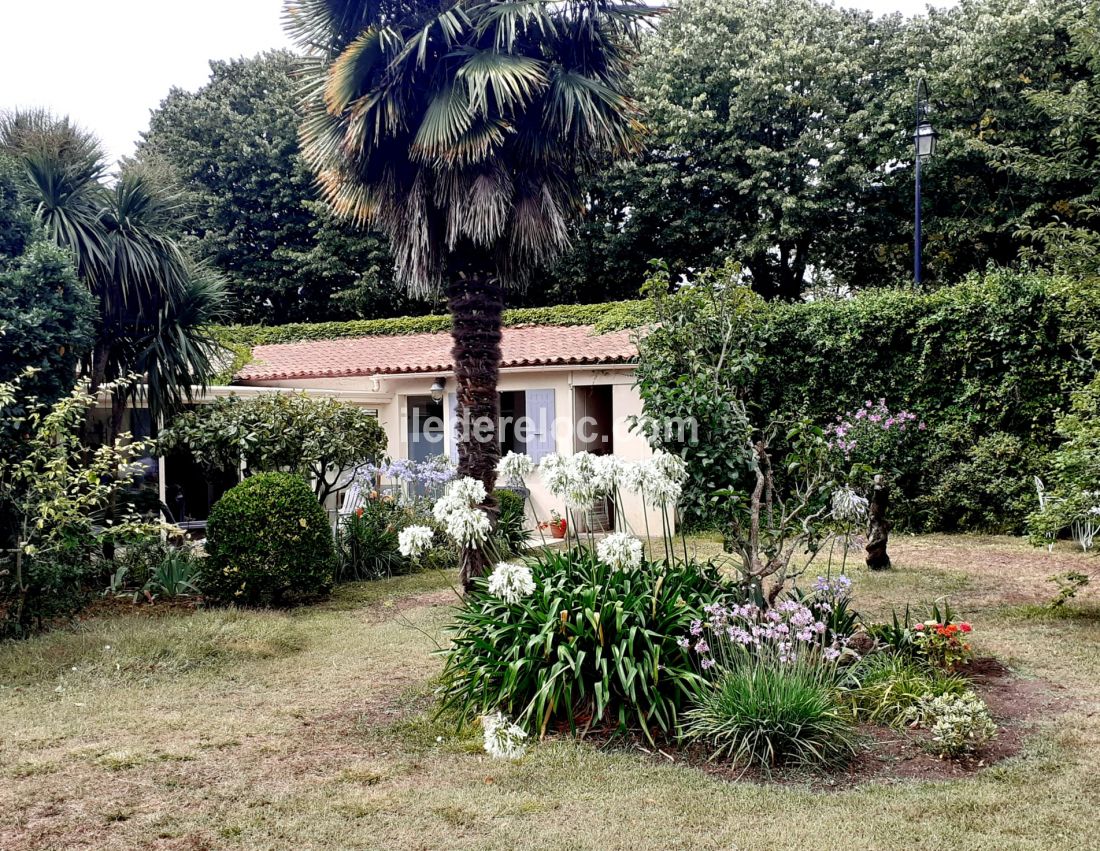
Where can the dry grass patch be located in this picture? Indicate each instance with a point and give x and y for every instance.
(315, 730)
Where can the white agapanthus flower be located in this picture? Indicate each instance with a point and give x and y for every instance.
(414, 541)
(469, 489)
(503, 739)
(469, 526)
(582, 488)
(609, 472)
(447, 505)
(848, 505)
(456, 510)
(554, 473)
(659, 479)
(511, 582)
(515, 467)
(672, 467)
(572, 478)
(620, 551)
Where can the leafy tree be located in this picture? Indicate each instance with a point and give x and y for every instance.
(321, 439)
(458, 129)
(233, 147)
(769, 143)
(60, 505)
(45, 314)
(154, 304)
(1055, 155)
(782, 136)
(695, 367)
(1010, 83)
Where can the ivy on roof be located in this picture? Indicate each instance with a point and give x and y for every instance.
(240, 339)
(608, 316)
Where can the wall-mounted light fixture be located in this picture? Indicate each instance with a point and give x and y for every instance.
(438, 386)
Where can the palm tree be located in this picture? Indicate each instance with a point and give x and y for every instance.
(461, 130)
(154, 303)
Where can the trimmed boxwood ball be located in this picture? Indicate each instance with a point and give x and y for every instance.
(268, 543)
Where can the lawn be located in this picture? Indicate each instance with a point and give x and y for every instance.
(315, 730)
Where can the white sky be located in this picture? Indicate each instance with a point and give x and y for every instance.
(106, 64)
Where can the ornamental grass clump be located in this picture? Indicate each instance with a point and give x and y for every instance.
(885, 687)
(588, 646)
(767, 711)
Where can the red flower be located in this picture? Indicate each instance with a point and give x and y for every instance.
(359, 512)
(919, 627)
(965, 627)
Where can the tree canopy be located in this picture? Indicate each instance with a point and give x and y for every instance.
(46, 315)
(232, 146)
(321, 439)
(779, 134)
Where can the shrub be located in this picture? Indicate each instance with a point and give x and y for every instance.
(54, 496)
(589, 646)
(511, 529)
(151, 567)
(959, 723)
(884, 687)
(366, 541)
(53, 587)
(321, 439)
(989, 490)
(268, 543)
(766, 712)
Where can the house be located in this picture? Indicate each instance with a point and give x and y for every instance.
(563, 389)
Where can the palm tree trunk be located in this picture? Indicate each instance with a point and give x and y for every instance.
(476, 304)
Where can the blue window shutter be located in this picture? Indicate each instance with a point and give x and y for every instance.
(452, 413)
(540, 415)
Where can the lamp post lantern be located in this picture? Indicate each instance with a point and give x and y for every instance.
(924, 146)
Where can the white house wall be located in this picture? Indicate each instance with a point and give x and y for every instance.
(389, 396)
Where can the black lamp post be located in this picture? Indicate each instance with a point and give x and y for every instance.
(924, 146)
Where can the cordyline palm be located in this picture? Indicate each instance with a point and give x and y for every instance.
(153, 302)
(460, 129)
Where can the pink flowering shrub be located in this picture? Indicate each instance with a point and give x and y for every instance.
(875, 440)
(871, 432)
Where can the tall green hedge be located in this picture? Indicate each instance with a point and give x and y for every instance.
(989, 364)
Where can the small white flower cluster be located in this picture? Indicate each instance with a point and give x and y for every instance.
(414, 541)
(620, 551)
(960, 723)
(583, 478)
(848, 506)
(457, 511)
(572, 478)
(511, 582)
(515, 467)
(503, 739)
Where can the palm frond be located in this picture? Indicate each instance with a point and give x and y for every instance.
(446, 118)
(591, 113)
(352, 70)
(513, 80)
(175, 352)
(326, 26)
(507, 20)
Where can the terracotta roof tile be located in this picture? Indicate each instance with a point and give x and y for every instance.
(541, 345)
